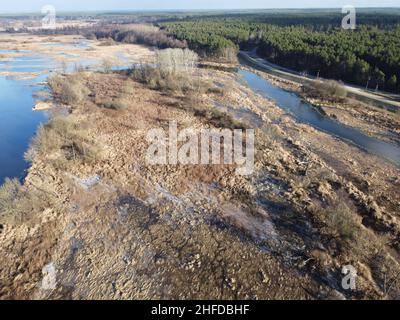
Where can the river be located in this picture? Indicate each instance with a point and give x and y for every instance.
(22, 79)
(18, 123)
(305, 113)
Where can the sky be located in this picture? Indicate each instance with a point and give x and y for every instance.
(99, 5)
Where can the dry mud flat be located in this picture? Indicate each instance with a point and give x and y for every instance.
(123, 229)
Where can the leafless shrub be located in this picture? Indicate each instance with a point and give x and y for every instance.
(107, 65)
(173, 71)
(17, 203)
(229, 55)
(118, 104)
(340, 222)
(386, 272)
(69, 89)
(9, 193)
(172, 61)
(65, 141)
(327, 90)
(55, 83)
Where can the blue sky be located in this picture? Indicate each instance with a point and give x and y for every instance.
(76, 5)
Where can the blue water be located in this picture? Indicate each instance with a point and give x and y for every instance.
(18, 124)
(306, 113)
(81, 44)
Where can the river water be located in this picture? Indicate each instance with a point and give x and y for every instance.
(18, 95)
(18, 123)
(305, 113)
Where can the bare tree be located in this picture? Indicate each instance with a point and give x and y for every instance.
(173, 61)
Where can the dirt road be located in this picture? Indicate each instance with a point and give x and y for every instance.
(387, 101)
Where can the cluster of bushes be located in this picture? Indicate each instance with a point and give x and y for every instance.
(69, 89)
(326, 90)
(140, 34)
(64, 138)
(17, 203)
(172, 71)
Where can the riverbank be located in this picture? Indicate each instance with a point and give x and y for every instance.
(26, 61)
(378, 123)
(373, 121)
(113, 226)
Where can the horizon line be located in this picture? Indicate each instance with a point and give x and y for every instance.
(191, 10)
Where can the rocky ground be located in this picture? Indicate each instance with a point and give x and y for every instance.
(119, 228)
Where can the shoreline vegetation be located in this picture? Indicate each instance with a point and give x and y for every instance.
(70, 148)
(112, 226)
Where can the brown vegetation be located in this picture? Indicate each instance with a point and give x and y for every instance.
(69, 89)
(64, 141)
(19, 203)
(328, 90)
(173, 71)
(140, 34)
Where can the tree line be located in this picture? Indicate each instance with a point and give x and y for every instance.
(368, 56)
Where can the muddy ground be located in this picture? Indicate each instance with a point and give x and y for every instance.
(120, 228)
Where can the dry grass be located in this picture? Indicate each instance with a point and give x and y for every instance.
(212, 116)
(65, 141)
(18, 203)
(70, 89)
(386, 272)
(327, 90)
